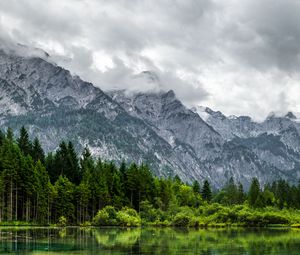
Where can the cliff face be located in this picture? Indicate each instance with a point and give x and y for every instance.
(155, 128)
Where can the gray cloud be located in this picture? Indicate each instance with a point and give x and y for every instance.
(266, 34)
(240, 57)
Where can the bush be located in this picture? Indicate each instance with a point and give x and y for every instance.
(181, 220)
(106, 217)
(128, 217)
(271, 218)
(85, 224)
(62, 221)
(148, 213)
(212, 209)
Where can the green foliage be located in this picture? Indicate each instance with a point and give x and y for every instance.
(62, 221)
(149, 213)
(128, 217)
(41, 189)
(181, 220)
(24, 142)
(206, 191)
(106, 217)
(254, 196)
(37, 152)
(196, 187)
(63, 198)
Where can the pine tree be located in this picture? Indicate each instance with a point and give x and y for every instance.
(66, 163)
(64, 199)
(83, 197)
(11, 165)
(231, 192)
(196, 187)
(51, 167)
(37, 153)
(240, 194)
(165, 193)
(2, 137)
(30, 189)
(10, 135)
(43, 189)
(206, 191)
(74, 173)
(131, 187)
(24, 142)
(254, 193)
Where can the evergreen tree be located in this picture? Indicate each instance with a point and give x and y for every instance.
(66, 163)
(2, 137)
(131, 186)
(206, 191)
(282, 192)
(11, 167)
(51, 167)
(165, 190)
(37, 153)
(81, 190)
(64, 199)
(231, 192)
(196, 187)
(74, 173)
(43, 190)
(10, 135)
(240, 194)
(177, 179)
(24, 142)
(254, 193)
(83, 197)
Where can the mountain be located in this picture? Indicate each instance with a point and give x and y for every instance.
(275, 141)
(224, 146)
(155, 128)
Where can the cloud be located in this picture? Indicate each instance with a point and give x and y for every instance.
(240, 57)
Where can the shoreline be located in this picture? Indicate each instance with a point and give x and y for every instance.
(208, 226)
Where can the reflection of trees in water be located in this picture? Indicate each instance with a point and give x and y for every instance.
(150, 240)
(117, 237)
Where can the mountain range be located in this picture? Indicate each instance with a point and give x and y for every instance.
(151, 127)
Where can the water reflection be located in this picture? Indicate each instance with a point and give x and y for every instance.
(148, 241)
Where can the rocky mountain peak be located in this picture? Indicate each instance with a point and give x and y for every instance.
(151, 127)
(291, 115)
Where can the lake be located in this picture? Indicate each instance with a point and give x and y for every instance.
(165, 241)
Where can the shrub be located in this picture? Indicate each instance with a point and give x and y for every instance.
(181, 220)
(271, 218)
(148, 213)
(128, 217)
(106, 217)
(85, 224)
(212, 209)
(62, 221)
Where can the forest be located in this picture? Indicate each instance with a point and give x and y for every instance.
(62, 188)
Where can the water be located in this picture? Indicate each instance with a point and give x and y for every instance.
(165, 241)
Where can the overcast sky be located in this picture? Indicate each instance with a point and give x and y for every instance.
(241, 57)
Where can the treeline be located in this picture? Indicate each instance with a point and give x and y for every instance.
(64, 187)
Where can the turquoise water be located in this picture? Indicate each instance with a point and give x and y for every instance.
(148, 241)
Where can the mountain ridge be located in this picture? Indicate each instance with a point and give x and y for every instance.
(151, 127)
